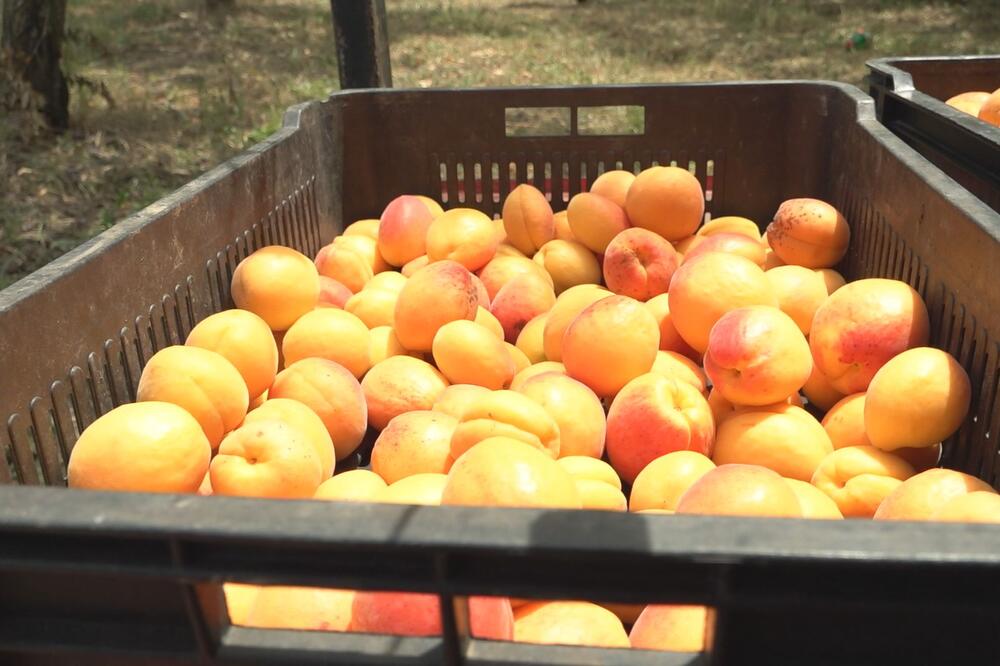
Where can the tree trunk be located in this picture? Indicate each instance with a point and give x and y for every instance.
(31, 40)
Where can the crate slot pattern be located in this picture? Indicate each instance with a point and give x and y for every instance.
(37, 443)
(485, 182)
(877, 246)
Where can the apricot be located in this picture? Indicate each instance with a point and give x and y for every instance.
(266, 459)
(563, 231)
(433, 296)
(521, 361)
(332, 294)
(389, 280)
(819, 391)
(202, 382)
(627, 613)
(456, 397)
(592, 469)
(519, 301)
(373, 307)
(722, 409)
(670, 627)
(784, 438)
(345, 263)
(506, 414)
(416, 442)
(661, 483)
(367, 227)
(613, 185)
(418, 614)
(809, 232)
(424, 488)
(968, 102)
(922, 495)
(757, 356)
(503, 269)
(638, 263)
(150, 446)
(599, 496)
(667, 200)
(467, 353)
(239, 601)
(729, 243)
(367, 248)
(400, 384)
(740, 490)
(527, 219)
(922, 457)
(653, 415)
(569, 263)
(858, 478)
(533, 370)
(336, 335)
(303, 608)
(576, 410)
(670, 339)
(686, 244)
(330, 390)
(800, 291)
(814, 502)
(305, 421)
(918, 398)
(610, 343)
(433, 206)
(402, 230)
(567, 307)
(243, 339)
(974, 507)
(500, 471)
(989, 112)
(861, 326)
(831, 278)
(568, 623)
(413, 265)
(845, 422)
(356, 485)
(595, 220)
(704, 289)
(463, 235)
(277, 284)
(505, 249)
(485, 319)
(483, 299)
(680, 367)
(730, 224)
(383, 343)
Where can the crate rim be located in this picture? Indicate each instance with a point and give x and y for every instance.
(901, 84)
(888, 64)
(293, 117)
(348, 527)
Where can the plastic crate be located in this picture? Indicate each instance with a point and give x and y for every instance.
(910, 96)
(100, 578)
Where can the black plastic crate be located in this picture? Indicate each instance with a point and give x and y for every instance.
(99, 578)
(910, 95)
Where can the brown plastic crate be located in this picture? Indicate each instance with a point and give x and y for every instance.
(910, 95)
(76, 333)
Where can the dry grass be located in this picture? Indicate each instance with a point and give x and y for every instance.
(189, 92)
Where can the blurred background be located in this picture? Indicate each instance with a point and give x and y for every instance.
(161, 91)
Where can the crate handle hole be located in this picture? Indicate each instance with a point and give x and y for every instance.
(538, 121)
(611, 120)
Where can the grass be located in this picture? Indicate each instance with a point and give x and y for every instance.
(186, 90)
